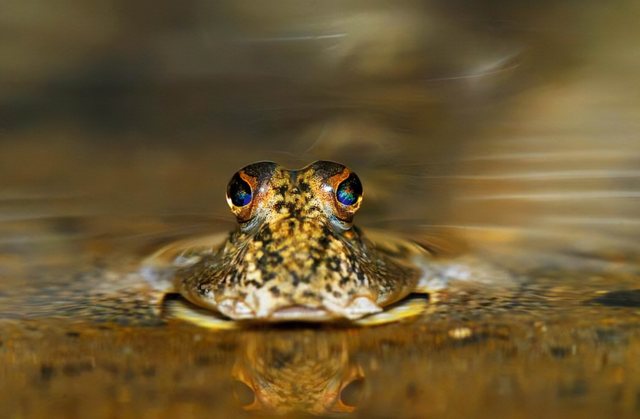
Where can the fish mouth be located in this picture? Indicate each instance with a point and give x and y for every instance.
(235, 312)
(357, 308)
(238, 309)
(301, 313)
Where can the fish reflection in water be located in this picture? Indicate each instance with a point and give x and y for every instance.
(288, 371)
(297, 367)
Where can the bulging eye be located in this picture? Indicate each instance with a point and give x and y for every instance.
(239, 191)
(349, 191)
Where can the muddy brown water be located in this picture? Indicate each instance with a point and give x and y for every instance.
(509, 127)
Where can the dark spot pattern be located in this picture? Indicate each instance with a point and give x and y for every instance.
(294, 245)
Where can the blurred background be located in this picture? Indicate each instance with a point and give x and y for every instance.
(512, 125)
(509, 123)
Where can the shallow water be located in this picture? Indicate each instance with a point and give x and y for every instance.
(508, 127)
(557, 345)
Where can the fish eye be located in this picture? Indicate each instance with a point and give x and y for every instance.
(239, 191)
(349, 190)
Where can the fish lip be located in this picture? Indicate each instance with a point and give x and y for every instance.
(238, 309)
(359, 307)
(301, 313)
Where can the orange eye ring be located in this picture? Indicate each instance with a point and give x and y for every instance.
(349, 191)
(347, 194)
(248, 187)
(241, 195)
(239, 192)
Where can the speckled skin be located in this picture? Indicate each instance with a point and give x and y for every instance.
(296, 254)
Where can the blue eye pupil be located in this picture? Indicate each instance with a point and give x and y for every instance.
(239, 192)
(349, 191)
(346, 196)
(242, 198)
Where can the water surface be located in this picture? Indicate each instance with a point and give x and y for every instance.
(508, 126)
